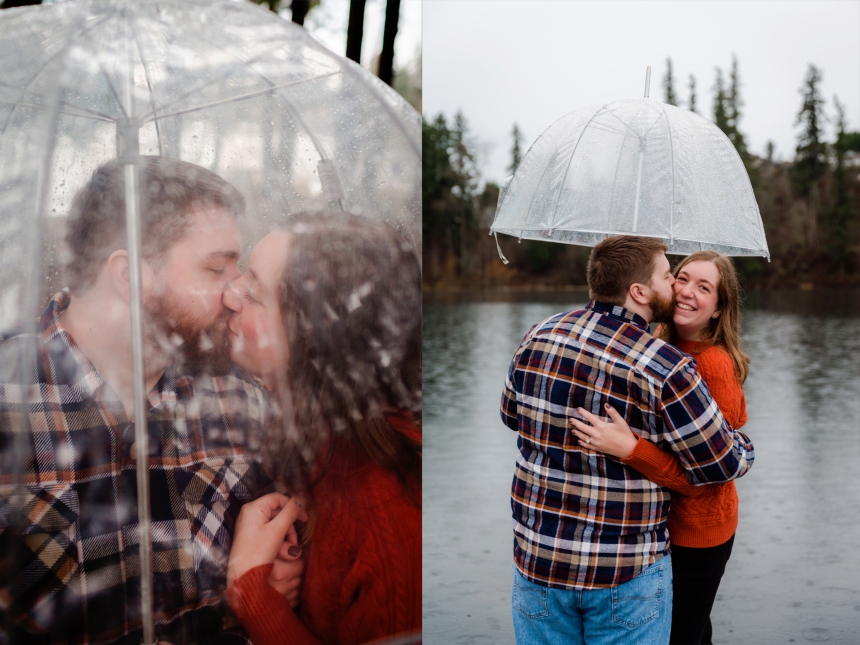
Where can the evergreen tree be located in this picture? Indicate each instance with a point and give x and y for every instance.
(721, 119)
(733, 113)
(769, 150)
(840, 213)
(462, 159)
(669, 85)
(516, 155)
(810, 161)
(449, 180)
(693, 94)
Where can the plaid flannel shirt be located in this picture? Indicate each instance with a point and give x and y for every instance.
(69, 560)
(583, 519)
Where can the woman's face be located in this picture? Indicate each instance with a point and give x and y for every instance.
(696, 298)
(258, 342)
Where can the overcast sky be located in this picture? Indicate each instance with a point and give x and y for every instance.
(532, 61)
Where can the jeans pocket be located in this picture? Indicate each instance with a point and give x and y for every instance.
(637, 601)
(529, 598)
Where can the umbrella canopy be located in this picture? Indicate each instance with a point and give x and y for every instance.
(634, 167)
(227, 86)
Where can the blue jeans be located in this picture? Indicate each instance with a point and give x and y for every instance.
(638, 612)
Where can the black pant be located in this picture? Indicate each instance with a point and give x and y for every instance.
(696, 575)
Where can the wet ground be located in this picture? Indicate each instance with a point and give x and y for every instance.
(794, 575)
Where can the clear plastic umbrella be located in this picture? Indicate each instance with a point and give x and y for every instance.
(634, 167)
(224, 85)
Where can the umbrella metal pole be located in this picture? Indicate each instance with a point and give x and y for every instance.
(638, 187)
(128, 144)
(647, 81)
(141, 433)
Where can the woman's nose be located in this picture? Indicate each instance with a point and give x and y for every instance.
(231, 298)
(686, 290)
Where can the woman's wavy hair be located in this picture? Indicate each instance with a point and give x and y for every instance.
(350, 299)
(725, 330)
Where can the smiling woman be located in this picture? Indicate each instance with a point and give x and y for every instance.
(708, 306)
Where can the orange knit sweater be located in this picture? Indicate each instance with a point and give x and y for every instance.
(363, 580)
(701, 516)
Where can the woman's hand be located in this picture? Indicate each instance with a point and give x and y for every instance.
(260, 532)
(288, 572)
(614, 438)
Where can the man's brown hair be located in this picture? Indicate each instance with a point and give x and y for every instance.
(618, 262)
(168, 188)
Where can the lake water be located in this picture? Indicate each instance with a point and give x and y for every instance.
(794, 574)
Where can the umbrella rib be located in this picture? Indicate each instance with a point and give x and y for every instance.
(615, 176)
(208, 83)
(394, 117)
(241, 97)
(151, 91)
(249, 64)
(75, 111)
(113, 90)
(64, 50)
(621, 122)
(653, 125)
(190, 92)
(672, 160)
(570, 161)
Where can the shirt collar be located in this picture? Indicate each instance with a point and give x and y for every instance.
(618, 312)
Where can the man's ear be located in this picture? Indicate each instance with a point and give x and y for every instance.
(640, 294)
(117, 265)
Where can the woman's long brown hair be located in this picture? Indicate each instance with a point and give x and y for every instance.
(350, 300)
(725, 330)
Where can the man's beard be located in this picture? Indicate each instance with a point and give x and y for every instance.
(662, 309)
(171, 327)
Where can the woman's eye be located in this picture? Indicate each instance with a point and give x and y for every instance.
(249, 297)
(217, 271)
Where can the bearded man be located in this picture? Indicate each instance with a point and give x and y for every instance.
(591, 549)
(69, 560)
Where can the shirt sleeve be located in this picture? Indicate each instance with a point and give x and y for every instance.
(509, 394)
(661, 467)
(709, 449)
(266, 614)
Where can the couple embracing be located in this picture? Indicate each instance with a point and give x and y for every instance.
(628, 441)
(291, 392)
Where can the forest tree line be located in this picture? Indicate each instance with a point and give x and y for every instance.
(810, 206)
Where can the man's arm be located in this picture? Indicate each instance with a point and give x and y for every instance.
(509, 394)
(709, 449)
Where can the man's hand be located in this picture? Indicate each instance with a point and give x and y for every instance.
(261, 529)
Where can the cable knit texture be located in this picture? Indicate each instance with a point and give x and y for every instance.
(701, 516)
(363, 580)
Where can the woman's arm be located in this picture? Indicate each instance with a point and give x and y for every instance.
(265, 614)
(663, 467)
(617, 439)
